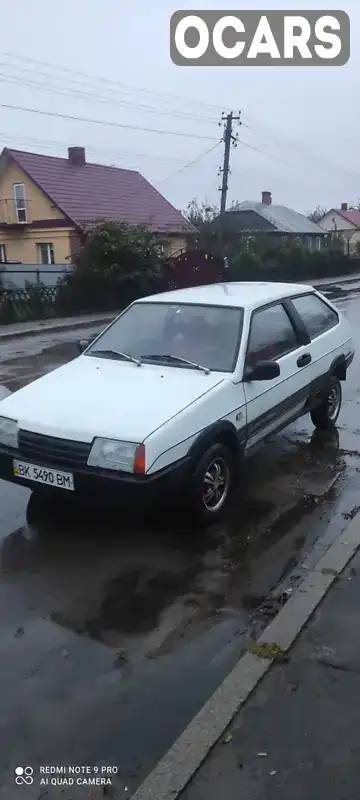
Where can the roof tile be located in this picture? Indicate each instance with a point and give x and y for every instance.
(95, 192)
(351, 216)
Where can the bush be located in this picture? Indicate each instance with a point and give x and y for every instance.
(116, 265)
(294, 265)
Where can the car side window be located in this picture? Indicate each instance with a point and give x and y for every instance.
(316, 315)
(271, 335)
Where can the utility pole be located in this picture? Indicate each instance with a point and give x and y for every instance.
(228, 139)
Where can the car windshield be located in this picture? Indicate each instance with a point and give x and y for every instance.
(171, 335)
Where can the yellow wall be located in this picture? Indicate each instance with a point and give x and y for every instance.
(175, 244)
(21, 243)
(22, 246)
(38, 205)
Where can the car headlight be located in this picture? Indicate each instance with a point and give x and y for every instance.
(8, 432)
(111, 454)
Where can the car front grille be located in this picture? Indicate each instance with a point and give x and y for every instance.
(53, 452)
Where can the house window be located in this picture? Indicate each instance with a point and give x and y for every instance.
(310, 242)
(318, 243)
(20, 202)
(2, 254)
(46, 253)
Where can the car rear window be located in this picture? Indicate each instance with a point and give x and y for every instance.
(316, 315)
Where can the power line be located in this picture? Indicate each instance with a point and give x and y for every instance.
(68, 92)
(190, 163)
(301, 149)
(263, 152)
(295, 178)
(117, 84)
(121, 154)
(108, 123)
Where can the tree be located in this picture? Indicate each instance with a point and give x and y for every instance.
(114, 247)
(317, 214)
(235, 205)
(116, 264)
(200, 214)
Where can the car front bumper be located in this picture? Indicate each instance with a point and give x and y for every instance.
(105, 486)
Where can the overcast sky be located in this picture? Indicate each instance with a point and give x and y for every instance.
(110, 61)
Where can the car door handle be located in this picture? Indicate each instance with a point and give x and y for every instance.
(304, 360)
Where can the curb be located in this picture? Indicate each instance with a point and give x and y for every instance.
(319, 282)
(174, 771)
(67, 326)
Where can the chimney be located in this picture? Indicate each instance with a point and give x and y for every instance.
(76, 156)
(344, 207)
(266, 198)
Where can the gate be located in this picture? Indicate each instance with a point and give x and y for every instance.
(194, 268)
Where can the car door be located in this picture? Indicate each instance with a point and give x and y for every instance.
(275, 335)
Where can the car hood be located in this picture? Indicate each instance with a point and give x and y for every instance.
(99, 397)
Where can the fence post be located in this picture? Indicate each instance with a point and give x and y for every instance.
(37, 276)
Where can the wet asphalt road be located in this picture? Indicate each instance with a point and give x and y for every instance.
(115, 630)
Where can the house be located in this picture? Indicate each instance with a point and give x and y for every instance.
(46, 203)
(345, 223)
(266, 219)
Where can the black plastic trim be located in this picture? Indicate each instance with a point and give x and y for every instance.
(210, 435)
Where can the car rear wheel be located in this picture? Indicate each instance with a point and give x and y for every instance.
(211, 483)
(325, 415)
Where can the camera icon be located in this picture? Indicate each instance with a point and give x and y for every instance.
(24, 775)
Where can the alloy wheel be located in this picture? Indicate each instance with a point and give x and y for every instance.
(216, 484)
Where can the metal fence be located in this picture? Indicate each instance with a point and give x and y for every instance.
(34, 302)
(18, 276)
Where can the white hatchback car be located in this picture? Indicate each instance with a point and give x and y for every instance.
(175, 391)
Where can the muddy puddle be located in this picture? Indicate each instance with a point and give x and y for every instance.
(16, 372)
(148, 587)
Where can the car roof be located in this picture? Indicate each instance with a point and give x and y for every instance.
(239, 295)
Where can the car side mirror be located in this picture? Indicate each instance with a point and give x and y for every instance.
(263, 371)
(84, 343)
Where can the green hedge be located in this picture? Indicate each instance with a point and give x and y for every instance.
(296, 266)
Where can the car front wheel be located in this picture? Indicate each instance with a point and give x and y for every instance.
(325, 415)
(211, 483)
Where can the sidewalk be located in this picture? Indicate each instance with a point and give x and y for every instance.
(351, 278)
(298, 735)
(285, 722)
(22, 329)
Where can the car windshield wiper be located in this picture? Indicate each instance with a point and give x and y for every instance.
(168, 357)
(115, 354)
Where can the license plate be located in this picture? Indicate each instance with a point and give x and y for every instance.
(49, 477)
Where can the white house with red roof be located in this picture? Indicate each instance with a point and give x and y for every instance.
(345, 223)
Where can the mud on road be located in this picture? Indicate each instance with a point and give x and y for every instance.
(114, 629)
